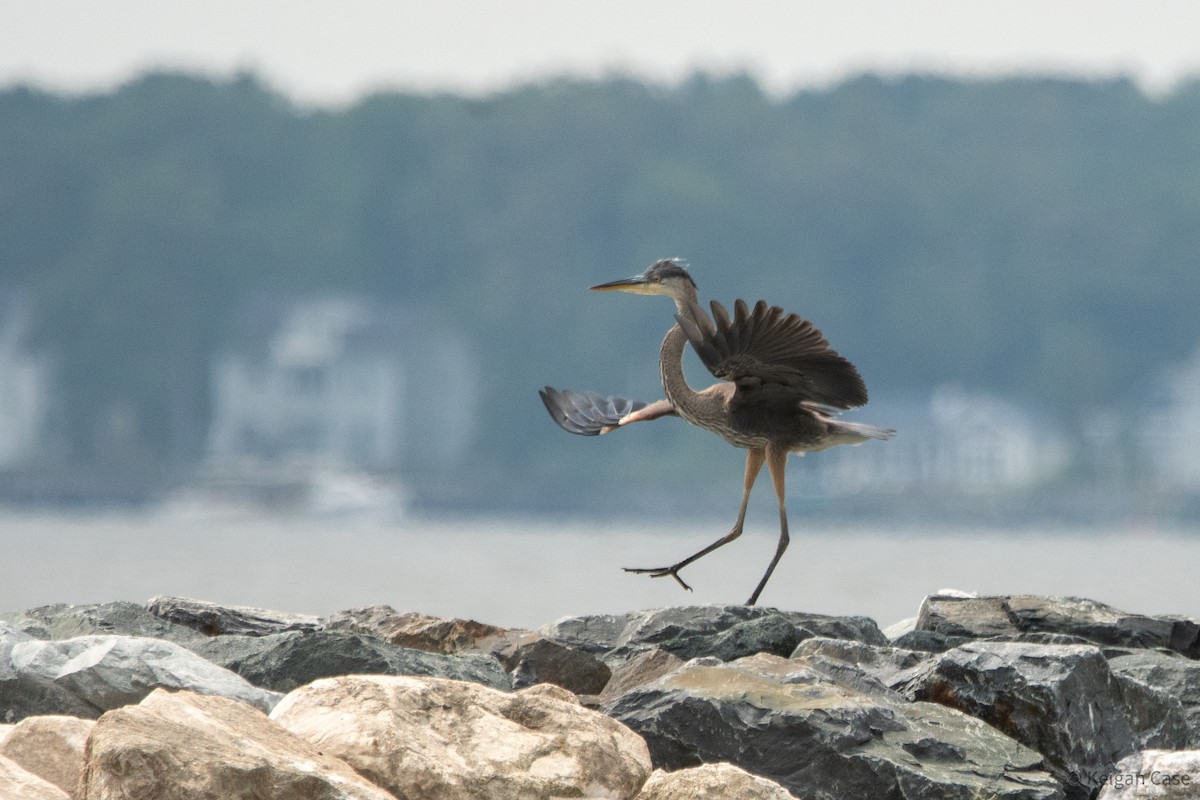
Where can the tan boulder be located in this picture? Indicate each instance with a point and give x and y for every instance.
(439, 739)
(712, 782)
(202, 747)
(1153, 774)
(50, 747)
(18, 783)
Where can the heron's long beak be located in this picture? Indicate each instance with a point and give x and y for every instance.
(636, 284)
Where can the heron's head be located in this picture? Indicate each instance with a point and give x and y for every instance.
(666, 277)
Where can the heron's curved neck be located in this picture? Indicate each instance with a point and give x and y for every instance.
(683, 397)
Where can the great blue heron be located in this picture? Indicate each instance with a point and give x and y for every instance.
(781, 388)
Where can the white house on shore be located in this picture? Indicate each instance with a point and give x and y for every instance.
(1170, 436)
(341, 382)
(25, 385)
(952, 442)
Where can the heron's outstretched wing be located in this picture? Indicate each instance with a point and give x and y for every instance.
(767, 345)
(590, 413)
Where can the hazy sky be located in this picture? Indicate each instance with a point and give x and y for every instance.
(330, 52)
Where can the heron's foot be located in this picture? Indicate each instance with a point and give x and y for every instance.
(661, 572)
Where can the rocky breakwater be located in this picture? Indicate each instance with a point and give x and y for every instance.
(977, 697)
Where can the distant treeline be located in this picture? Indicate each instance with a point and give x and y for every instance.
(1034, 237)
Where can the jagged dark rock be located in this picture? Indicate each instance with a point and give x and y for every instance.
(532, 658)
(212, 619)
(1013, 615)
(1169, 672)
(284, 661)
(929, 641)
(773, 633)
(822, 739)
(725, 632)
(1060, 700)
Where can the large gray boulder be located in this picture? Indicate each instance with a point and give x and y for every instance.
(724, 632)
(412, 629)
(869, 668)
(62, 621)
(1010, 616)
(24, 693)
(107, 672)
(212, 619)
(823, 739)
(1061, 700)
(284, 661)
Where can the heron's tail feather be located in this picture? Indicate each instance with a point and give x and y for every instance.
(857, 432)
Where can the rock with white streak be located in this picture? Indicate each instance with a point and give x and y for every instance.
(177, 745)
(897, 629)
(867, 667)
(724, 632)
(711, 782)
(824, 738)
(17, 783)
(1008, 616)
(449, 740)
(50, 747)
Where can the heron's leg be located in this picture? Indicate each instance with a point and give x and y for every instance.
(754, 462)
(776, 465)
(659, 408)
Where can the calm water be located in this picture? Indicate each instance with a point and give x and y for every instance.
(530, 572)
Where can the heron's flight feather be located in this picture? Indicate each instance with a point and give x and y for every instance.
(766, 345)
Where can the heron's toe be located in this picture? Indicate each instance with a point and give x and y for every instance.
(660, 572)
